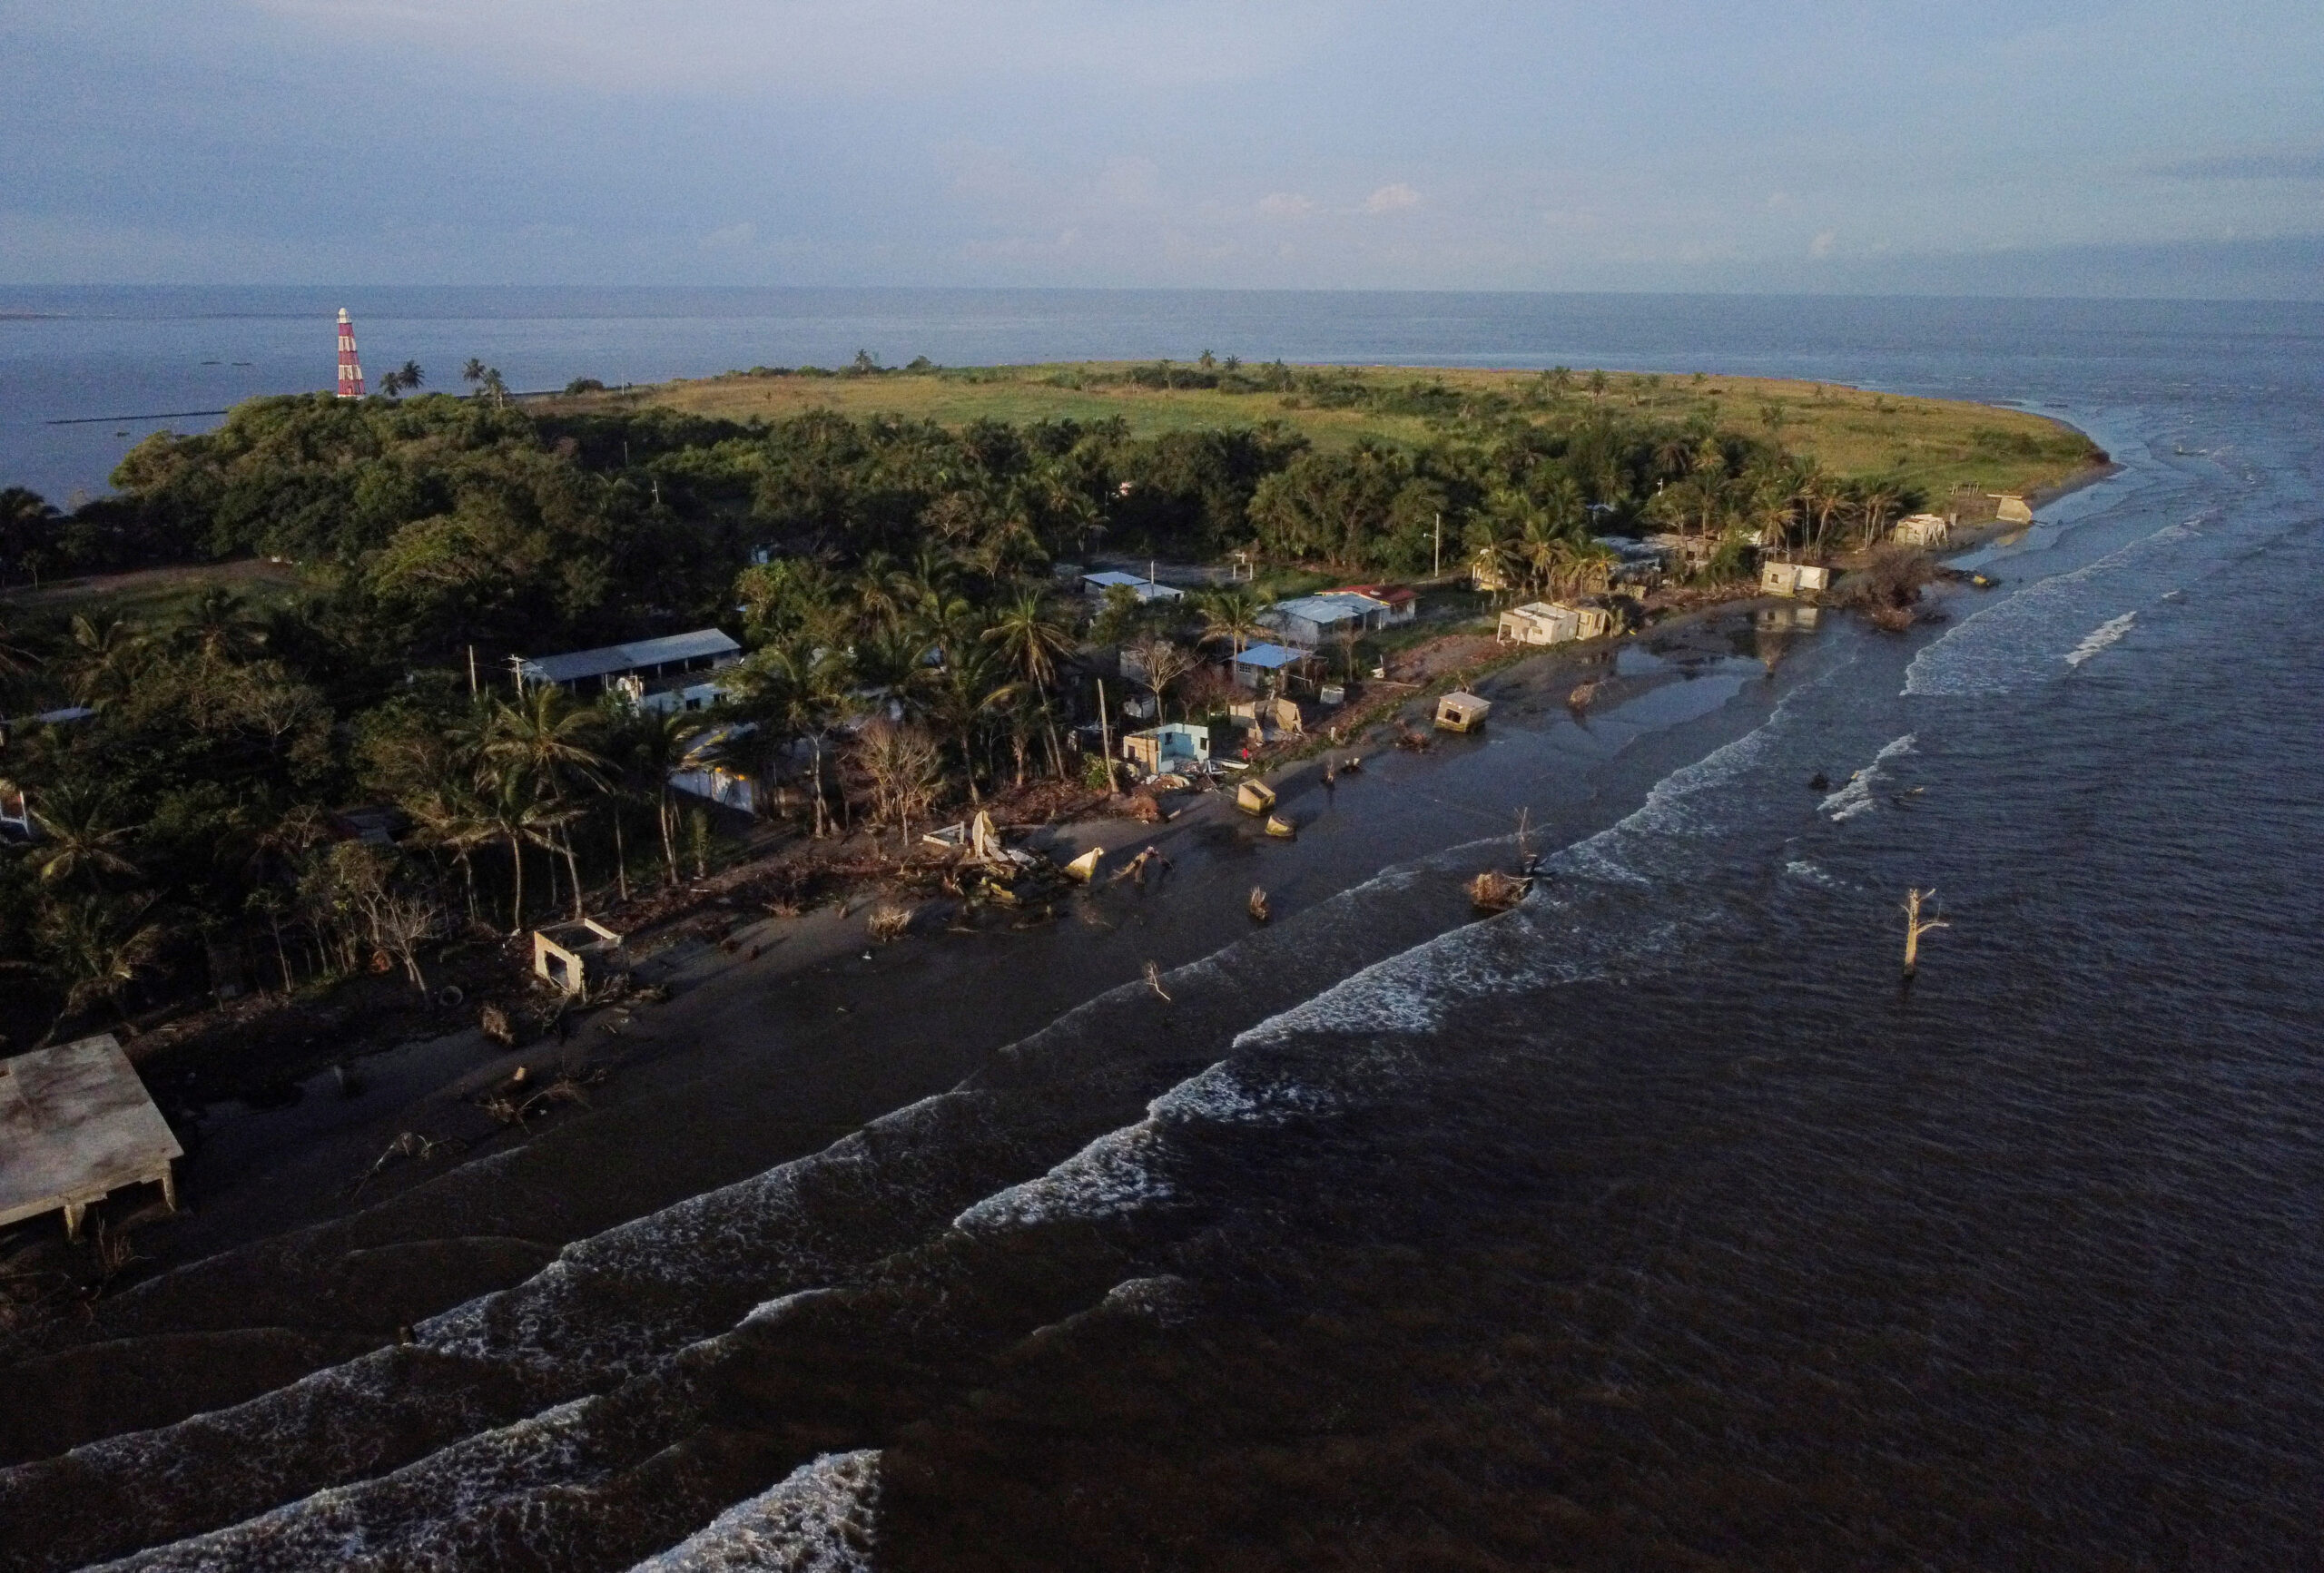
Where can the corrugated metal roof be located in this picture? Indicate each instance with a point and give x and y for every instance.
(1269, 656)
(614, 658)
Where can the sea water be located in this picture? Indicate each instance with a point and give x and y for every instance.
(1654, 1224)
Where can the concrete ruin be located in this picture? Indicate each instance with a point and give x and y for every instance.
(76, 1124)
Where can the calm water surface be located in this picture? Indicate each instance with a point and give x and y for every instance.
(1651, 1225)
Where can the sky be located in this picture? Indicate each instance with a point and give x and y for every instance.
(2109, 147)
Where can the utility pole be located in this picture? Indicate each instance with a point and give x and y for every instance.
(1105, 736)
(471, 672)
(1438, 572)
(1914, 927)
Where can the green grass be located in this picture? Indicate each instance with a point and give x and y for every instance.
(1953, 452)
(156, 596)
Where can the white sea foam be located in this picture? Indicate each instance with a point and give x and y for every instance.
(1801, 869)
(2020, 640)
(1111, 1176)
(822, 1518)
(1856, 796)
(2100, 637)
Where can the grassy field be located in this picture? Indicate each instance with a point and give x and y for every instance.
(157, 596)
(1955, 452)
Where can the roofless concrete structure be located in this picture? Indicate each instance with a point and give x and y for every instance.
(75, 1125)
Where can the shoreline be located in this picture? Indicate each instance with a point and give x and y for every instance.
(753, 1061)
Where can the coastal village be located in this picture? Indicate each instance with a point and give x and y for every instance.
(963, 738)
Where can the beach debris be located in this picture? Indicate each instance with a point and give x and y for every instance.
(1584, 695)
(1495, 891)
(1330, 771)
(506, 1106)
(1460, 711)
(1282, 829)
(1085, 866)
(1149, 860)
(1916, 926)
(1819, 782)
(1143, 807)
(1352, 764)
(1257, 904)
(495, 1024)
(1154, 980)
(890, 920)
(1412, 741)
(1254, 797)
(409, 1144)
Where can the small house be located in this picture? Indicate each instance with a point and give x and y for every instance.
(1308, 621)
(656, 673)
(576, 956)
(1461, 711)
(76, 1124)
(1402, 605)
(1923, 530)
(1539, 623)
(1269, 666)
(1146, 590)
(1780, 579)
(1167, 749)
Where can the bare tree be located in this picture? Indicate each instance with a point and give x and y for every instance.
(901, 764)
(1156, 663)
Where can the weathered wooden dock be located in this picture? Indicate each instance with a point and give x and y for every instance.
(77, 1123)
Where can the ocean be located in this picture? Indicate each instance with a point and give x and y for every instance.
(1655, 1224)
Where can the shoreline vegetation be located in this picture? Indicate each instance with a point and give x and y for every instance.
(293, 805)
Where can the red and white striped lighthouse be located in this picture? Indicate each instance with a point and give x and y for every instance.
(351, 371)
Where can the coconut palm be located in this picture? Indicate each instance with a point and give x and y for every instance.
(105, 660)
(78, 838)
(539, 741)
(1032, 643)
(95, 946)
(219, 628)
(1230, 615)
(969, 689)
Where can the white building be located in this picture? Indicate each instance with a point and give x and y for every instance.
(662, 673)
(1146, 590)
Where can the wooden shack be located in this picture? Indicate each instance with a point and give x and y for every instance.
(77, 1125)
(1461, 712)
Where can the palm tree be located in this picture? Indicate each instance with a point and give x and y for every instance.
(105, 660)
(473, 372)
(1231, 615)
(96, 946)
(797, 691)
(971, 687)
(219, 628)
(538, 738)
(1873, 503)
(1032, 643)
(78, 838)
(409, 375)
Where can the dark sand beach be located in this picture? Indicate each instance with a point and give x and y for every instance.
(301, 1248)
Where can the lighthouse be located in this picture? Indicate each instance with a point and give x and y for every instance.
(351, 371)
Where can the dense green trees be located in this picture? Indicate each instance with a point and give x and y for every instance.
(907, 632)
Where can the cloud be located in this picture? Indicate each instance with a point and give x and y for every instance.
(1392, 198)
(1285, 205)
(1821, 246)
